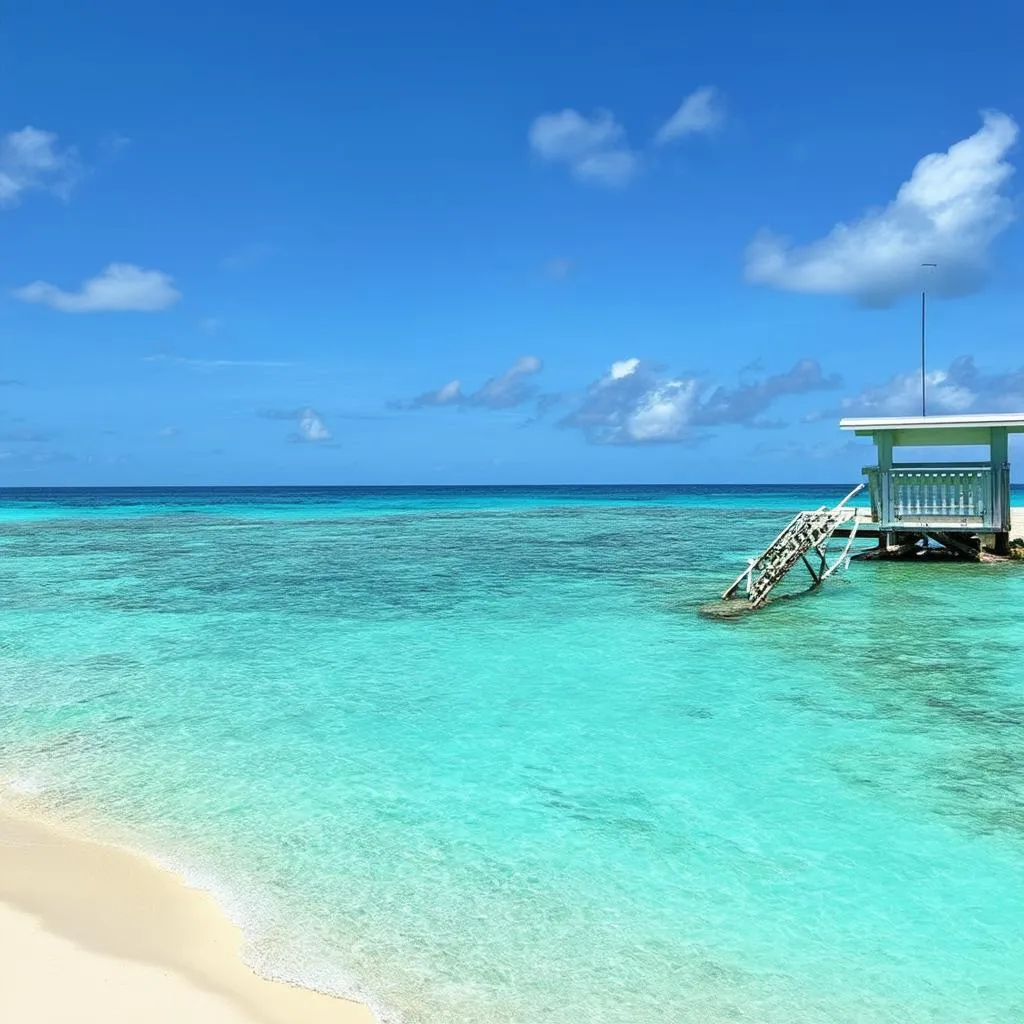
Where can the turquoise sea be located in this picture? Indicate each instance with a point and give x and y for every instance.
(472, 755)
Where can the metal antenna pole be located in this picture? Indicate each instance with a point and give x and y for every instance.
(924, 379)
(924, 408)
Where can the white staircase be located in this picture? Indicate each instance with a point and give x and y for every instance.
(806, 533)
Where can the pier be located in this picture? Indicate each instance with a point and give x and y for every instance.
(918, 508)
(964, 507)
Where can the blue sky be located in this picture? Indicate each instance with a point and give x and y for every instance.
(464, 243)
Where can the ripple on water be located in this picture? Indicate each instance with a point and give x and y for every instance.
(476, 755)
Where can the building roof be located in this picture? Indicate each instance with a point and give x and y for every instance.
(1013, 422)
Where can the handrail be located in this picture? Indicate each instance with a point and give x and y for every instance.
(966, 496)
(853, 494)
(805, 532)
(942, 466)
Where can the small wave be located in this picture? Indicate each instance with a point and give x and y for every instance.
(281, 962)
(24, 786)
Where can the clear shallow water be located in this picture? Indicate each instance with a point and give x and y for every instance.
(474, 753)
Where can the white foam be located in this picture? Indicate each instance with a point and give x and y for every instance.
(290, 965)
(24, 786)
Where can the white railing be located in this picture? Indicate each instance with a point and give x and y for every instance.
(956, 496)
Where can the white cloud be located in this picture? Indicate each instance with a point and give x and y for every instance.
(635, 404)
(615, 168)
(570, 136)
(446, 394)
(513, 387)
(30, 160)
(594, 148)
(312, 427)
(121, 287)
(901, 395)
(450, 392)
(663, 413)
(623, 368)
(948, 212)
(961, 388)
(508, 389)
(702, 112)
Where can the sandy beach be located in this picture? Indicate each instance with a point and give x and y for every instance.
(92, 934)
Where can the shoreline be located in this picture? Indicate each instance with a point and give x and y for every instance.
(98, 934)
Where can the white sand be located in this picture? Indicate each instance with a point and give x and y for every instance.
(91, 934)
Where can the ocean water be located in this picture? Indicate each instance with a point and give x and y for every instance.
(473, 756)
